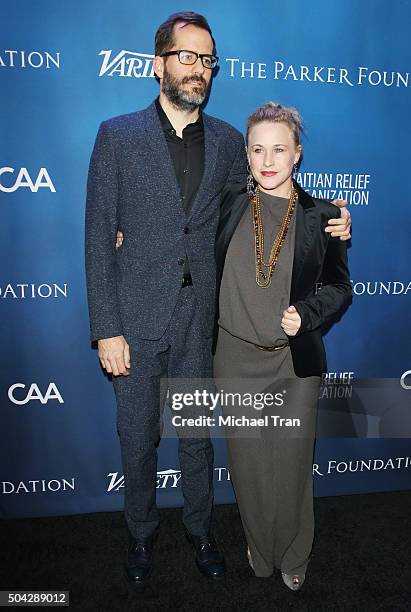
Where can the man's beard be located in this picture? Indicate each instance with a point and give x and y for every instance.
(179, 97)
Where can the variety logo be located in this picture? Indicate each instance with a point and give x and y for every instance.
(37, 486)
(352, 77)
(23, 179)
(29, 59)
(165, 478)
(30, 290)
(127, 64)
(34, 393)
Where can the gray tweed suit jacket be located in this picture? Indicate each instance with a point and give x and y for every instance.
(132, 187)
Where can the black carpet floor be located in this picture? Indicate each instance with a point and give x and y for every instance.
(360, 561)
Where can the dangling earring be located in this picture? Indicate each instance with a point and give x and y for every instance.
(250, 184)
(295, 170)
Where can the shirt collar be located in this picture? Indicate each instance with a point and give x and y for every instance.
(165, 121)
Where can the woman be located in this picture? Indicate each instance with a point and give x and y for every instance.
(271, 252)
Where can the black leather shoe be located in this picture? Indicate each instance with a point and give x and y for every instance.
(208, 558)
(139, 562)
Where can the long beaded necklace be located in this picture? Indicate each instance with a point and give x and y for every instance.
(263, 278)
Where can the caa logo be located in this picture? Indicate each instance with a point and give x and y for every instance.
(24, 180)
(404, 384)
(34, 393)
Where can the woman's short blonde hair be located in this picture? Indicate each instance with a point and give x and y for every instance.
(277, 113)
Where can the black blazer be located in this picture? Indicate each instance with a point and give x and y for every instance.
(317, 258)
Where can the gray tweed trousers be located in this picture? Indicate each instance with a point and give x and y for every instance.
(183, 352)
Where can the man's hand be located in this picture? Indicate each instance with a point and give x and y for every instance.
(114, 355)
(340, 227)
(291, 321)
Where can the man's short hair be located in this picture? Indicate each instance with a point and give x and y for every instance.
(164, 39)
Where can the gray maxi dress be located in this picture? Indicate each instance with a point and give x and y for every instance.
(270, 467)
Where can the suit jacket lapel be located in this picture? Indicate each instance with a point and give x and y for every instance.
(156, 141)
(232, 209)
(305, 222)
(239, 205)
(211, 147)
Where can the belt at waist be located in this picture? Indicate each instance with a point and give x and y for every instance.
(271, 348)
(258, 346)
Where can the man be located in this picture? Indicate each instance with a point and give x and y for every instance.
(157, 176)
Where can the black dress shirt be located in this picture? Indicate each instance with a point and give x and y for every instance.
(187, 154)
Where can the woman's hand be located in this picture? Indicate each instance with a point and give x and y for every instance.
(291, 321)
(119, 240)
(340, 228)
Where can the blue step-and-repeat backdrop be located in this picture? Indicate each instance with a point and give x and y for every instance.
(64, 68)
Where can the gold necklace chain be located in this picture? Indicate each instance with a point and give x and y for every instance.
(263, 279)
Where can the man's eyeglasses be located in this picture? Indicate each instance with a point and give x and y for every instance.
(188, 58)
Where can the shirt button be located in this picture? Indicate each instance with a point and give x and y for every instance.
(186, 230)
(180, 262)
